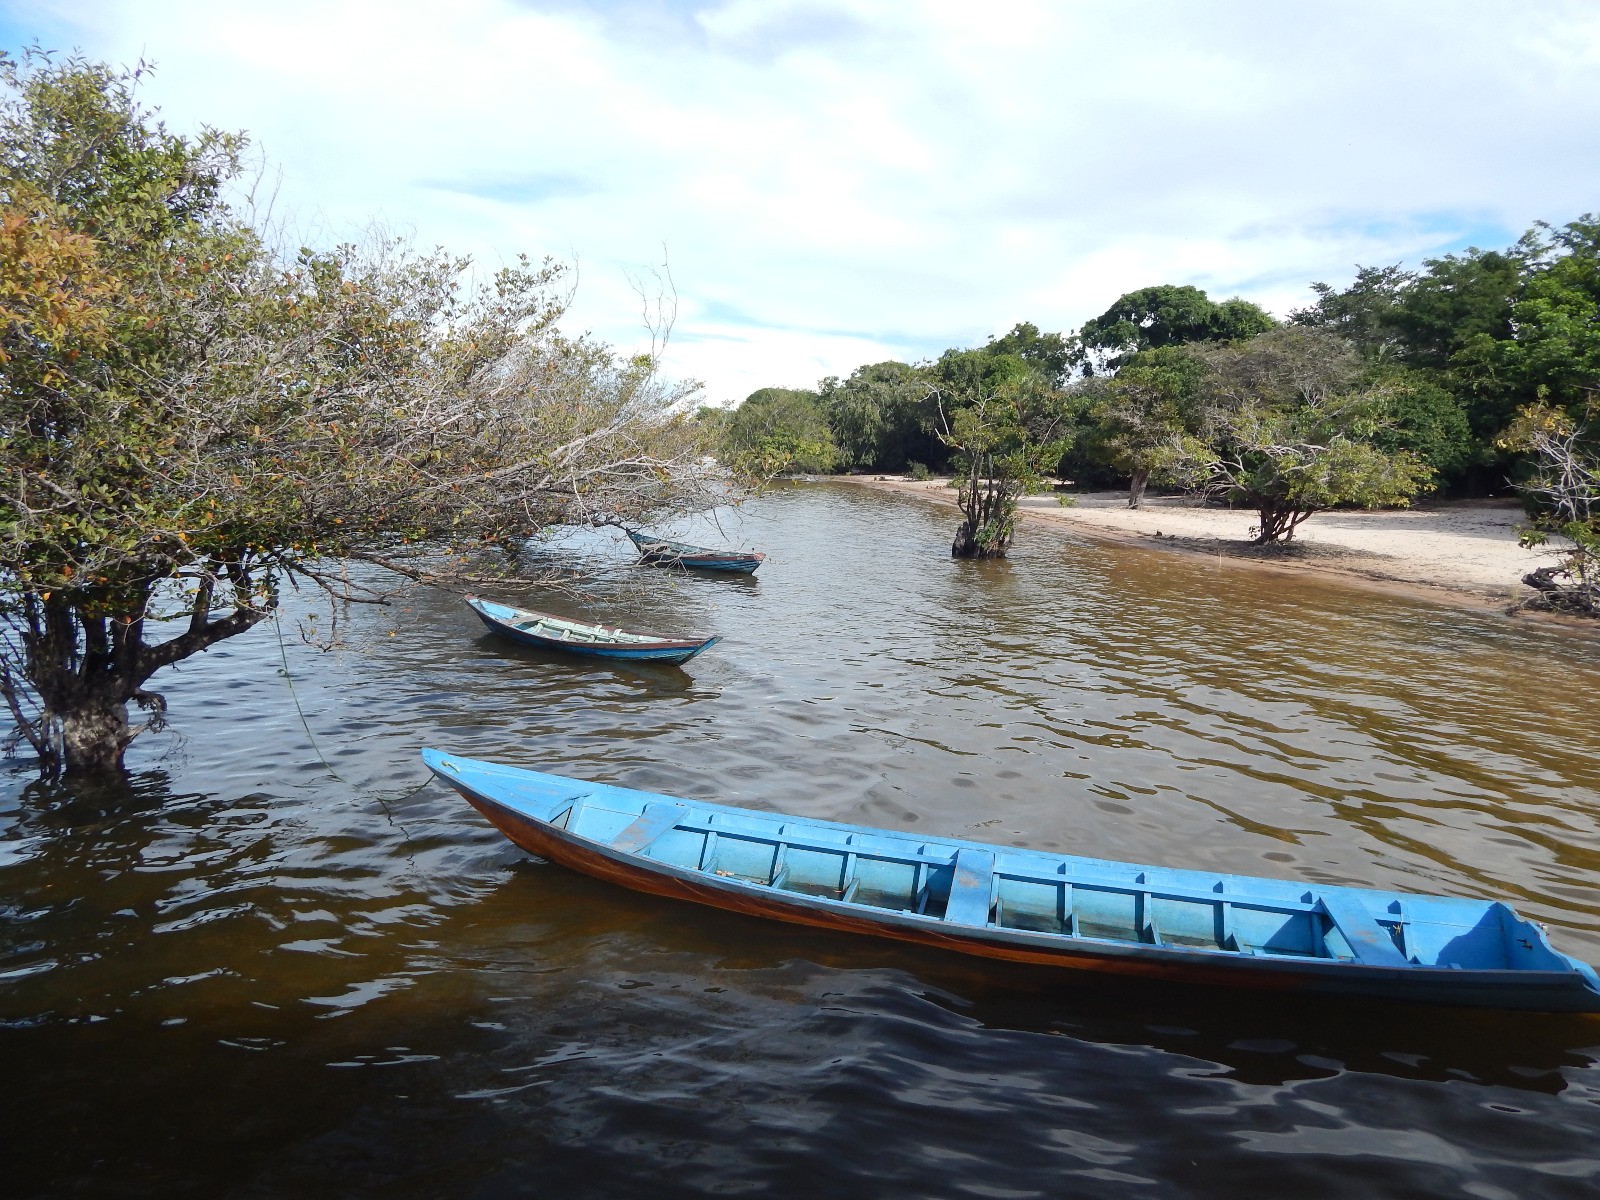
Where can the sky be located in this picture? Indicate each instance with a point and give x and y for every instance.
(839, 182)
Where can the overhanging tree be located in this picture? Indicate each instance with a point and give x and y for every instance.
(187, 421)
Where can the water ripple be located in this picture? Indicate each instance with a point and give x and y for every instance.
(290, 966)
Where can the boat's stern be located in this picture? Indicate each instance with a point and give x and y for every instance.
(1528, 948)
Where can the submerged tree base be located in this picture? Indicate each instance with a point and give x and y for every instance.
(969, 544)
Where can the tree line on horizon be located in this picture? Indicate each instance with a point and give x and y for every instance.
(1475, 374)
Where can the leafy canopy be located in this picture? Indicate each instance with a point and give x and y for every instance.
(1287, 432)
(779, 430)
(1051, 354)
(1498, 330)
(1166, 315)
(188, 418)
(1008, 424)
(1141, 420)
(879, 416)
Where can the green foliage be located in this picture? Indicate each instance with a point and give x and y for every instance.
(1456, 301)
(1498, 330)
(1550, 353)
(1141, 419)
(917, 472)
(879, 416)
(714, 419)
(1051, 354)
(1287, 433)
(1008, 423)
(1364, 314)
(1422, 416)
(886, 415)
(1166, 315)
(960, 377)
(1422, 319)
(56, 303)
(778, 431)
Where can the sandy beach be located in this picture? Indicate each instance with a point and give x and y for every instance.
(1463, 551)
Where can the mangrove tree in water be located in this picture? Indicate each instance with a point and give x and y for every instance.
(1007, 424)
(188, 418)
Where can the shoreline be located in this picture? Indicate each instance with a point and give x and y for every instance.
(1458, 552)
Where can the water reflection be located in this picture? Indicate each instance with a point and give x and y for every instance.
(285, 963)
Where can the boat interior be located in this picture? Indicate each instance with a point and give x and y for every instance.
(561, 630)
(1035, 893)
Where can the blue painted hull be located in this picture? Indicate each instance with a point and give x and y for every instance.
(503, 620)
(1031, 907)
(659, 552)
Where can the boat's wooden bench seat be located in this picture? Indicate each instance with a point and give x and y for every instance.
(656, 820)
(971, 887)
(1368, 941)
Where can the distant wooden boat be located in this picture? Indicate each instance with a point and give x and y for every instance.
(661, 552)
(1032, 907)
(549, 632)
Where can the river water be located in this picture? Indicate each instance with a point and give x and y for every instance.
(288, 965)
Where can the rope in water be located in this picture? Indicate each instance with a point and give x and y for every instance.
(288, 678)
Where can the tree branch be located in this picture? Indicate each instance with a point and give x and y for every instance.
(162, 654)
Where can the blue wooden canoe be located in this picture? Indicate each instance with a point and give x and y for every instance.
(661, 552)
(1032, 907)
(549, 632)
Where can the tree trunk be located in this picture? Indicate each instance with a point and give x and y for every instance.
(83, 668)
(969, 545)
(94, 737)
(1136, 487)
(988, 505)
(1278, 524)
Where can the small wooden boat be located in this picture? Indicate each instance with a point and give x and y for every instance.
(663, 553)
(549, 632)
(1032, 907)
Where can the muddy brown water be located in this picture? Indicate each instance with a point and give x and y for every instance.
(255, 977)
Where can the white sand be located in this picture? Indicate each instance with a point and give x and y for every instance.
(1463, 547)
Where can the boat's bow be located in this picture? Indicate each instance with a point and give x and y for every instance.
(527, 794)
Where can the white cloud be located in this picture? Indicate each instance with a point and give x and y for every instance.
(843, 182)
